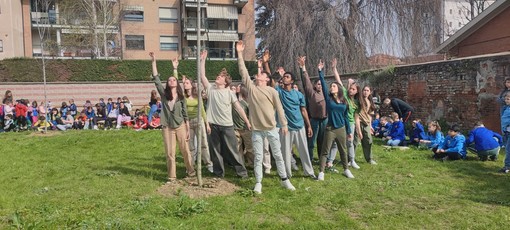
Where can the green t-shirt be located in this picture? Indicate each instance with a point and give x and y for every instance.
(353, 105)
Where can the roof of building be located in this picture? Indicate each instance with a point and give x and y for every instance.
(479, 21)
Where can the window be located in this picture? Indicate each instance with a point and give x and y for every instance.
(133, 13)
(168, 15)
(169, 43)
(1, 46)
(135, 42)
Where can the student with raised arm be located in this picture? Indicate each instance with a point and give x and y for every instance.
(264, 101)
(363, 118)
(338, 128)
(174, 119)
(294, 105)
(191, 95)
(222, 138)
(351, 96)
(317, 108)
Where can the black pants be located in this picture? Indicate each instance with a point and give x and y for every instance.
(223, 148)
(22, 121)
(451, 155)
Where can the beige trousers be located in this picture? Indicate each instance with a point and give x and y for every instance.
(171, 137)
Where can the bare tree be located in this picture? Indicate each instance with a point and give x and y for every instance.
(350, 30)
(94, 23)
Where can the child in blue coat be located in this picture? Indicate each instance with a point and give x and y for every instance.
(453, 147)
(486, 142)
(434, 137)
(397, 134)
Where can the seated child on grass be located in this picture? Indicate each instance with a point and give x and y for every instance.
(453, 147)
(384, 127)
(141, 121)
(397, 134)
(155, 122)
(486, 142)
(418, 132)
(41, 124)
(9, 123)
(434, 137)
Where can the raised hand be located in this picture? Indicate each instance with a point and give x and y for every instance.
(320, 66)
(281, 71)
(153, 57)
(259, 63)
(266, 56)
(203, 55)
(301, 61)
(333, 63)
(175, 63)
(240, 46)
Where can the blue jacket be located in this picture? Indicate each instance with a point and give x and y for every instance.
(484, 139)
(435, 139)
(418, 132)
(455, 144)
(397, 131)
(505, 118)
(375, 125)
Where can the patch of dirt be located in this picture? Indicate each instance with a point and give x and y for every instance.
(189, 186)
(48, 134)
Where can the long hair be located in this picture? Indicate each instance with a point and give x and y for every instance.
(339, 97)
(363, 102)
(154, 95)
(168, 92)
(436, 124)
(193, 92)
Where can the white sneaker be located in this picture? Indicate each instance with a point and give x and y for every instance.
(347, 173)
(295, 167)
(372, 162)
(95, 127)
(258, 188)
(321, 176)
(210, 169)
(354, 165)
(286, 184)
(267, 171)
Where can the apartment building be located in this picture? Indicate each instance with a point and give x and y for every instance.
(457, 13)
(127, 29)
(11, 29)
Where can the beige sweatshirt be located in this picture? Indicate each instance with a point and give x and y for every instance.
(263, 101)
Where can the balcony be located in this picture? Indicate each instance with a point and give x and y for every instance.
(211, 24)
(240, 3)
(194, 3)
(189, 52)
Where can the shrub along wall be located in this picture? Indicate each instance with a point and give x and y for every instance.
(60, 70)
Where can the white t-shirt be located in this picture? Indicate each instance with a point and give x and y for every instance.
(219, 105)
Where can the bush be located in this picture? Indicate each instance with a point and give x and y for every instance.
(60, 70)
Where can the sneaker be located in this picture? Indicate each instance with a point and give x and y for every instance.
(321, 176)
(372, 162)
(258, 188)
(210, 169)
(444, 158)
(347, 173)
(332, 169)
(267, 171)
(354, 165)
(95, 127)
(313, 177)
(286, 184)
(295, 167)
(504, 170)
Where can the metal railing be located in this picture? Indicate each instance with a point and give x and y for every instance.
(214, 53)
(211, 24)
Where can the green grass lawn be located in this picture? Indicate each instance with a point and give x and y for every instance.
(108, 180)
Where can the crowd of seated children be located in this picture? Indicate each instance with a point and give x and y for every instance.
(486, 142)
(397, 133)
(434, 137)
(453, 147)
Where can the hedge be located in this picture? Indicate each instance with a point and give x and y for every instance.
(60, 70)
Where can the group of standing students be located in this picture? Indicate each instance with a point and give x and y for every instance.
(340, 117)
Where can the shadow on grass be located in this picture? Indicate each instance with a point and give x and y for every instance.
(484, 184)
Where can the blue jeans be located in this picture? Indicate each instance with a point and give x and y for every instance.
(318, 127)
(507, 151)
(257, 138)
(153, 109)
(393, 142)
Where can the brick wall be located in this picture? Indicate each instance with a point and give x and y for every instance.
(457, 91)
